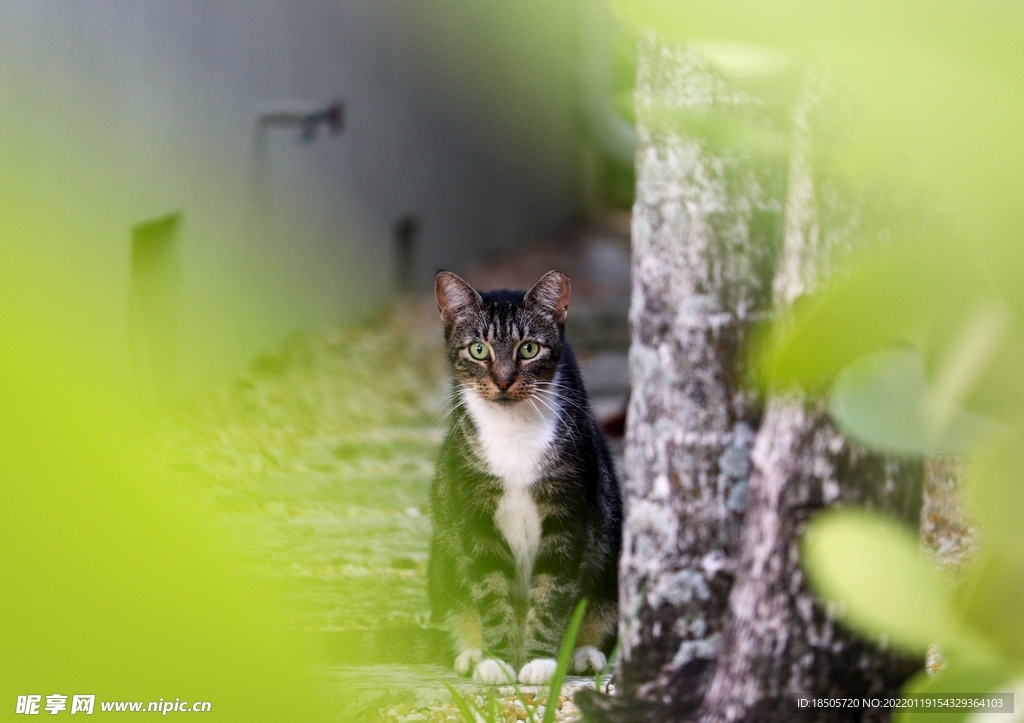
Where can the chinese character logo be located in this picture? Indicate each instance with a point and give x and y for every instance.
(83, 704)
(56, 703)
(28, 704)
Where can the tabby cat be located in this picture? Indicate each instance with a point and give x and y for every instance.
(526, 508)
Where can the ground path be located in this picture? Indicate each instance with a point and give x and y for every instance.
(317, 461)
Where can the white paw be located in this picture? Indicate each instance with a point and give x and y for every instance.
(588, 659)
(465, 661)
(538, 672)
(493, 672)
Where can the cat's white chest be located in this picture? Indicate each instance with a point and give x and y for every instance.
(513, 442)
(517, 519)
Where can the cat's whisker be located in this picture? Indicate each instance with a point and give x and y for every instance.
(569, 417)
(448, 439)
(574, 433)
(530, 401)
(439, 419)
(450, 401)
(454, 396)
(563, 395)
(459, 420)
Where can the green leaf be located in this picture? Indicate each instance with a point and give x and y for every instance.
(936, 99)
(989, 599)
(743, 60)
(995, 494)
(564, 658)
(492, 706)
(956, 681)
(905, 295)
(931, 297)
(884, 401)
(720, 129)
(872, 569)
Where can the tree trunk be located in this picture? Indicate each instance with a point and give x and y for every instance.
(779, 645)
(694, 645)
(705, 230)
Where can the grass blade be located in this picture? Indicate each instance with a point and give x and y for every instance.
(564, 658)
(462, 704)
(609, 664)
(492, 705)
(530, 717)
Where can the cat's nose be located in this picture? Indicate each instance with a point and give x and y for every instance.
(503, 384)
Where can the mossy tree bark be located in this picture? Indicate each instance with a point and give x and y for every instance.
(779, 645)
(706, 228)
(717, 623)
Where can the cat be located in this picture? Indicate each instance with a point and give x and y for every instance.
(527, 512)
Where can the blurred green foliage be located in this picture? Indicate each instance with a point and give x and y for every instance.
(918, 342)
(110, 587)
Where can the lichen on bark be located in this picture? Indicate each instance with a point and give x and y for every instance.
(712, 254)
(705, 231)
(780, 644)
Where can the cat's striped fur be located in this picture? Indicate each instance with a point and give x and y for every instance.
(526, 508)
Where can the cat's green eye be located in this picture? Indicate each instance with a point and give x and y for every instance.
(529, 349)
(479, 351)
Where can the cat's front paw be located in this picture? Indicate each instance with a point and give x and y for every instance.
(465, 660)
(493, 672)
(538, 672)
(588, 659)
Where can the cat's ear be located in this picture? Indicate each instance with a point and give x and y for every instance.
(454, 296)
(551, 293)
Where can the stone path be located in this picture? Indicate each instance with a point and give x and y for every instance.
(416, 693)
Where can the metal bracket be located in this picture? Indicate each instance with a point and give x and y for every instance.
(306, 117)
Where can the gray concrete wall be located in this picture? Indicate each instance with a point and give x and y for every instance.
(117, 112)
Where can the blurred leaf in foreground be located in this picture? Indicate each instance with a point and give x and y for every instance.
(872, 569)
(884, 401)
(112, 588)
(995, 493)
(990, 600)
(960, 681)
